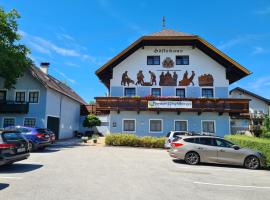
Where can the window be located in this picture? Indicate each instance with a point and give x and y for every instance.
(224, 143)
(30, 122)
(153, 60)
(192, 140)
(207, 141)
(20, 97)
(129, 125)
(208, 92)
(180, 125)
(3, 95)
(8, 122)
(33, 97)
(180, 92)
(182, 60)
(129, 92)
(155, 125)
(208, 126)
(156, 92)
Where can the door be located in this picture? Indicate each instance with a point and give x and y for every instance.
(53, 125)
(3, 95)
(207, 149)
(227, 154)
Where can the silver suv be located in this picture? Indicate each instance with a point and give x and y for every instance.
(210, 149)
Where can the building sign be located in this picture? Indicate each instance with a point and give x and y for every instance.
(170, 104)
(168, 50)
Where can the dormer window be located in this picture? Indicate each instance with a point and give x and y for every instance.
(182, 60)
(153, 60)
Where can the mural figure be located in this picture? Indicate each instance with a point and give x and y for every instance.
(125, 79)
(186, 81)
(206, 80)
(167, 79)
(153, 78)
(140, 78)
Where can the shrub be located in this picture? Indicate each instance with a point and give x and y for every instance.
(259, 144)
(134, 141)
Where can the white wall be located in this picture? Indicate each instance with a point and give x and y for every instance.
(254, 104)
(199, 62)
(66, 109)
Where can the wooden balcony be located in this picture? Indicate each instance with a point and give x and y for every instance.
(234, 106)
(14, 107)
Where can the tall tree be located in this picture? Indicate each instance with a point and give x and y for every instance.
(13, 56)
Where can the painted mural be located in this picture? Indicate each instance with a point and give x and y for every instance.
(168, 78)
(206, 80)
(168, 63)
(186, 81)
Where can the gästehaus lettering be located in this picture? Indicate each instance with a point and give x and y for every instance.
(169, 104)
(168, 50)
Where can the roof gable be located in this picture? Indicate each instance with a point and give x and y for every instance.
(234, 71)
(54, 84)
(267, 101)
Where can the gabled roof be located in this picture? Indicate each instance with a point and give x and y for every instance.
(234, 71)
(50, 82)
(251, 94)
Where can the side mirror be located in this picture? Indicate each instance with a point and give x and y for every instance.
(236, 147)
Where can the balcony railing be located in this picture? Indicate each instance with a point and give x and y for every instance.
(14, 107)
(198, 104)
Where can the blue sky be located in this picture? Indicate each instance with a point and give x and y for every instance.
(77, 37)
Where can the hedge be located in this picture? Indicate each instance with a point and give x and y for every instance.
(132, 140)
(259, 144)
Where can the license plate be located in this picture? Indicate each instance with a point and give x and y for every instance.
(20, 150)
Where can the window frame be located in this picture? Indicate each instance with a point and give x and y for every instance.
(161, 131)
(208, 121)
(4, 90)
(3, 120)
(20, 91)
(180, 120)
(181, 88)
(29, 118)
(160, 89)
(123, 125)
(207, 88)
(124, 92)
(179, 56)
(153, 60)
(31, 91)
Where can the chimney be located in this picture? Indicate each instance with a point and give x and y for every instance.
(44, 66)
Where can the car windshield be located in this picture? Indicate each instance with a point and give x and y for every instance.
(23, 130)
(11, 136)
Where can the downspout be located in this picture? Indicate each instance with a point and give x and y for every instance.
(60, 115)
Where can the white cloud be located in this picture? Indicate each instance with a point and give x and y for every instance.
(264, 11)
(66, 78)
(260, 82)
(258, 50)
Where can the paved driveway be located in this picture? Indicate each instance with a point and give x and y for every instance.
(74, 172)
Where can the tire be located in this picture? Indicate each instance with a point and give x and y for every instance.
(42, 148)
(252, 162)
(192, 158)
(31, 147)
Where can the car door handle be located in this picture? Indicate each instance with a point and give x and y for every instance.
(200, 148)
(221, 150)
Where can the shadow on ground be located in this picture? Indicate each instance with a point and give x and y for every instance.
(215, 165)
(3, 186)
(19, 168)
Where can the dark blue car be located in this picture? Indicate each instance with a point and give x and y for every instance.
(37, 137)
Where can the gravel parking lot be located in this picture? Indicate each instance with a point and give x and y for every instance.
(73, 171)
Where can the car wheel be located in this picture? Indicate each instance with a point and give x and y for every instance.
(31, 146)
(252, 162)
(192, 158)
(42, 148)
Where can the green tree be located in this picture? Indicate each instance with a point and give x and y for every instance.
(13, 56)
(266, 123)
(91, 121)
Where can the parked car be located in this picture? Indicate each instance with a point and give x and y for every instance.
(48, 131)
(174, 134)
(13, 147)
(37, 140)
(210, 149)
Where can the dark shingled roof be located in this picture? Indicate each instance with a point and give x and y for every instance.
(251, 94)
(169, 32)
(50, 82)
